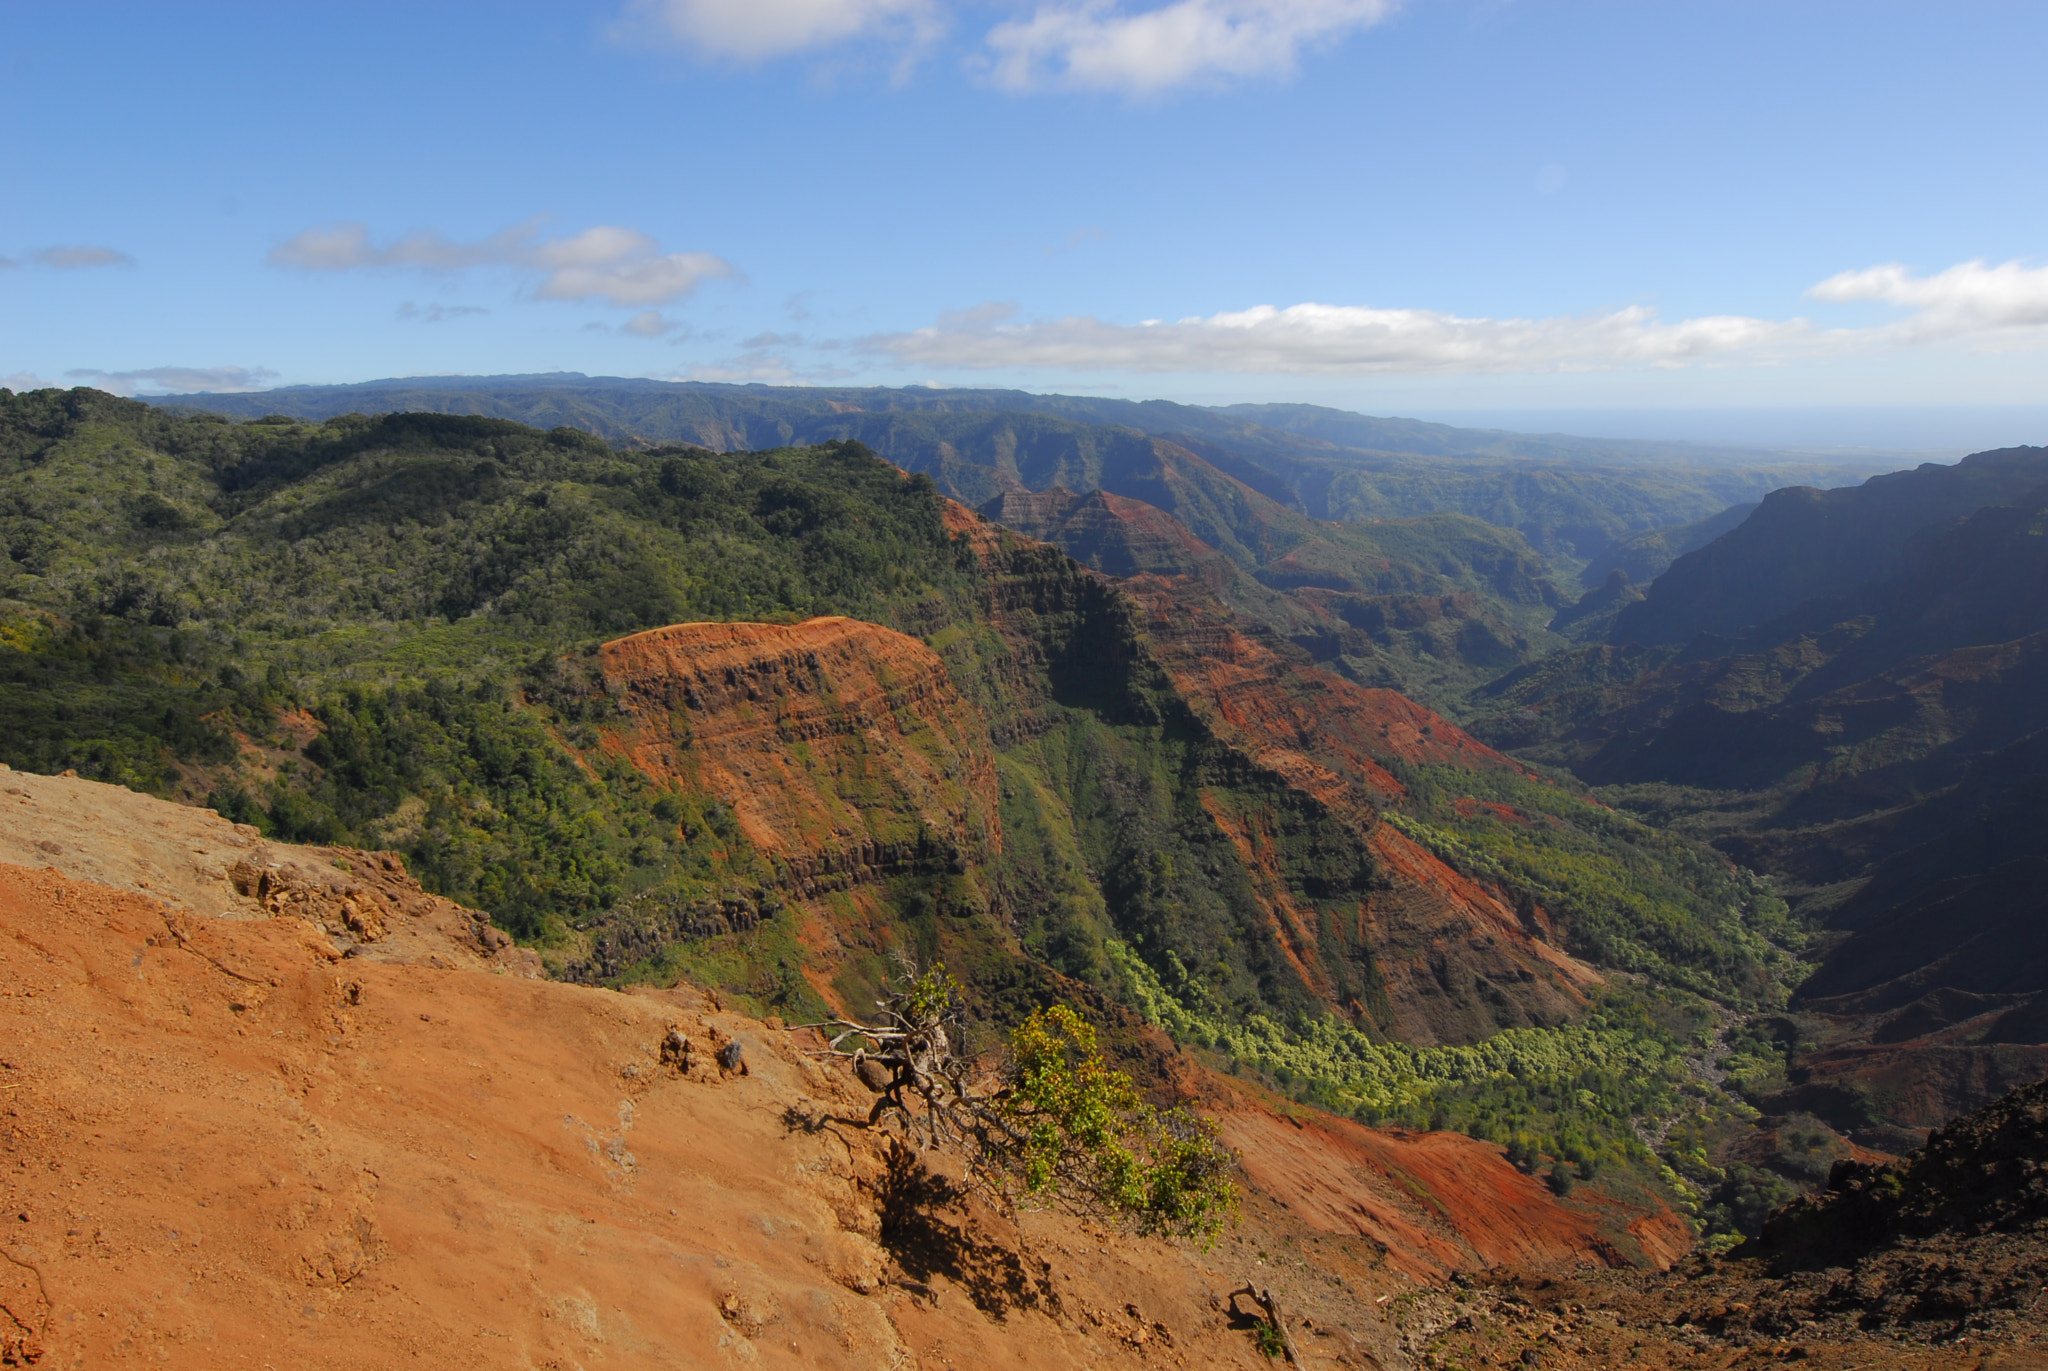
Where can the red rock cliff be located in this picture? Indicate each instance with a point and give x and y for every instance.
(835, 742)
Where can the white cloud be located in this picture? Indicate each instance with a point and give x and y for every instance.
(1313, 339)
(764, 364)
(1988, 306)
(756, 30)
(72, 257)
(76, 256)
(24, 380)
(1969, 298)
(648, 323)
(619, 266)
(1095, 45)
(178, 380)
(438, 314)
(770, 368)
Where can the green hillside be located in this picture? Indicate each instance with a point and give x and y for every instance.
(1569, 497)
(377, 632)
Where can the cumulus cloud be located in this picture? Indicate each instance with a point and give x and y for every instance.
(1096, 45)
(177, 380)
(76, 256)
(1970, 298)
(24, 380)
(756, 30)
(619, 266)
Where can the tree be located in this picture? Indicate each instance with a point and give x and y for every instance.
(1053, 1124)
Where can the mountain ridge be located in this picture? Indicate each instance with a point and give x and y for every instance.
(1568, 504)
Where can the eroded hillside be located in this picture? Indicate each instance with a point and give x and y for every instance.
(762, 721)
(1844, 692)
(391, 1148)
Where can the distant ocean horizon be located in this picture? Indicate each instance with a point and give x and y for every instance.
(1953, 430)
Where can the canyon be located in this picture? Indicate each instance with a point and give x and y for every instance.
(452, 828)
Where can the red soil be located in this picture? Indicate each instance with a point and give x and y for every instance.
(1328, 735)
(1469, 808)
(221, 1147)
(1437, 1202)
(981, 535)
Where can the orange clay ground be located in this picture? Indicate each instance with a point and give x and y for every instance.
(223, 1144)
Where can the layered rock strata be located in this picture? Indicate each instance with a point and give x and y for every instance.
(842, 747)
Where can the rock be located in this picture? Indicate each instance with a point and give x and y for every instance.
(363, 922)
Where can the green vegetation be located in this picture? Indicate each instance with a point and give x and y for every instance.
(1626, 895)
(374, 632)
(1088, 1136)
(1059, 1126)
(1445, 548)
(1268, 1338)
(1570, 497)
(111, 700)
(1618, 1094)
(176, 584)
(1572, 1092)
(381, 633)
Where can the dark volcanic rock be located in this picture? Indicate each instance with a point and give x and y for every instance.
(1955, 1234)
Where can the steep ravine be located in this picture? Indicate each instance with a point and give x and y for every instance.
(862, 765)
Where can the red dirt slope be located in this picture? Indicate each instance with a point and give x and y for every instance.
(1458, 1207)
(1324, 733)
(1434, 934)
(221, 1146)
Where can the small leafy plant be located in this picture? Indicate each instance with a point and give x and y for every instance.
(1269, 1340)
(1052, 1125)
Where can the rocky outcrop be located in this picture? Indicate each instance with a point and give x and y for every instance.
(1457, 963)
(851, 756)
(847, 760)
(1104, 532)
(364, 904)
(1329, 735)
(842, 747)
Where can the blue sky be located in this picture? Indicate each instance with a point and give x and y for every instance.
(1432, 206)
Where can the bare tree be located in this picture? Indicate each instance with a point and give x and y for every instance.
(1051, 1124)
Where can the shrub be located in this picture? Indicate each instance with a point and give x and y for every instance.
(1056, 1126)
